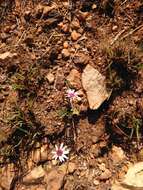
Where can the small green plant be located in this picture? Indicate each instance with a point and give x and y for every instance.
(28, 82)
(17, 119)
(114, 81)
(139, 66)
(136, 128)
(66, 112)
(71, 110)
(24, 136)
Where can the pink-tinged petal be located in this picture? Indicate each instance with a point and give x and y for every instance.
(64, 148)
(55, 157)
(64, 156)
(66, 151)
(61, 159)
(70, 91)
(62, 145)
(54, 152)
(72, 94)
(56, 147)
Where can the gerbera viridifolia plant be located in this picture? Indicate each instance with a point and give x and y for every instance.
(60, 153)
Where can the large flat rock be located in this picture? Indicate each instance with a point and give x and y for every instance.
(94, 85)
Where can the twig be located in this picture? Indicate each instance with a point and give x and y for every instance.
(54, 86)
(126, 35)
(20, 38)
(131, 32)
(124, 2)
(117, 36)
(48, 41)
(129, 59)
(72, 57)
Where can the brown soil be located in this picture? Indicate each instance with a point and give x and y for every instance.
(111, 40)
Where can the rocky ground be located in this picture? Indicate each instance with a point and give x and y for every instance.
(71, 72)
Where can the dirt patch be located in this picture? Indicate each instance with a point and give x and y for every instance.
(45, 47)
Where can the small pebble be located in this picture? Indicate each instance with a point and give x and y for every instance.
(105, 175)
(66, 4)
(114, 28)
(71, 167)
(94, 6)
(81, 58)
(39, 30)
(4, 37)
(75, 35)
(54, 162)
(64, 27)
(65, 53)
(50, 77)
(7, 29)
(27, 15)
(75, 24)
(83, 15)
(77, 46)
(65, 45)
(96, 182)
(102, 167)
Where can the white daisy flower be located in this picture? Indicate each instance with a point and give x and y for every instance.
(60, 153)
